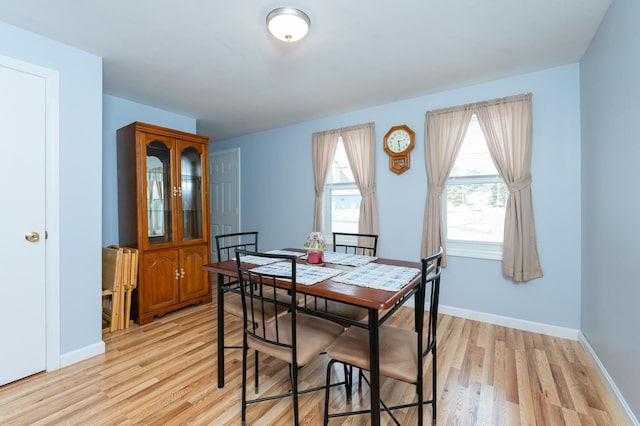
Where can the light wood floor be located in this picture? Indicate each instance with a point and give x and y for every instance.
(164, 373)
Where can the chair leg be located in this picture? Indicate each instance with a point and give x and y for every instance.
(294, 382)
(244, 381)
(127, 308)
(433, 385)
(326, 392)
(348, 379)
(257, 372)
(420, 388)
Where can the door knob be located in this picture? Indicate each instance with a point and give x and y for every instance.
(32, 237)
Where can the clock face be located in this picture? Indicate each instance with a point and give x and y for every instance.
(398, 141)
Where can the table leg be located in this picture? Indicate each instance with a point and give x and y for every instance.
(220, 307)
(374, 357)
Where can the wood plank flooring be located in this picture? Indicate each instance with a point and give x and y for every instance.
(164, 373)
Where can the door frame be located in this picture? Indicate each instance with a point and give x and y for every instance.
(52, 206)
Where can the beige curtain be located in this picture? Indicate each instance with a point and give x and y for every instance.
(360, 146)
(444, 132)
(507, 126)
(324, 149)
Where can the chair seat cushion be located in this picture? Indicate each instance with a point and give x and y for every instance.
(343, 310)
(233, 305)
(313, 336)
(398, 351)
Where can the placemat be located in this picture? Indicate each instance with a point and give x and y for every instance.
(257, 260)
(379, 276)
(347, 259)
(287, 252)
(305, 274)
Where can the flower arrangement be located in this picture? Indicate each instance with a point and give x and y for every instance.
(315, 246)
(315, 241)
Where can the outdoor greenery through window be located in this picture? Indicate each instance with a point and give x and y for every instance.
(342, 197)
(476, 196)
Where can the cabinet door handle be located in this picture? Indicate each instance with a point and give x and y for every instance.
(182, 273)
(177, 275)
(175, 191)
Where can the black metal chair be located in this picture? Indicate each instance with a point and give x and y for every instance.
(354, 243)
(402, 351)
(295, 337)
(226, 246)
(364, 244)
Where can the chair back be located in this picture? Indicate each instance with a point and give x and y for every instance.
(364, 244)
(429, 285)
(226, 244)
(261, 295)
(112, 262)
(113, 282)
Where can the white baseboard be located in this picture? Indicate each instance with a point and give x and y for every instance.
(608, 381)
(535, 327)
(81, 354)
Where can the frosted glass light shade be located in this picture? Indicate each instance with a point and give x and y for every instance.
(288, 24)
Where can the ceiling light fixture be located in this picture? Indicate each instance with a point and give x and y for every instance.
(288, 24)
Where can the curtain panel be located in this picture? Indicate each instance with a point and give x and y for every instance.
(359, 143)
(507, 125)
(444, 133)
(323, 147)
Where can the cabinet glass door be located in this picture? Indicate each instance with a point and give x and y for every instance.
(191, 192)
(159, 207)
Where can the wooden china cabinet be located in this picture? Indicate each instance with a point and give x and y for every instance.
(163, 211)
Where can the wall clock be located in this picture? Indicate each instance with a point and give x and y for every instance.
(398, 143)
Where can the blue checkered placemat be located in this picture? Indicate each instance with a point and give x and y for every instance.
(379, 276)
(305, 274)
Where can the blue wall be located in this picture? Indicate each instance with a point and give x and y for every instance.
(117, 113)
(610, 73)
(80, 179)
(277, 194)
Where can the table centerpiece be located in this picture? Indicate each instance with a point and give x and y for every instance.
(315, 246)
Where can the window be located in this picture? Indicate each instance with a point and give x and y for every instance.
(476, 196)
(342, 197)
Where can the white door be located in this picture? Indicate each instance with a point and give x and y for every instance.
(22, 224)
(225, 194)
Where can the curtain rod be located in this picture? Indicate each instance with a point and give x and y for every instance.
(344, 129)
(505, 100)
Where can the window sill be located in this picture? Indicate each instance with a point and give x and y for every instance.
(476, 250)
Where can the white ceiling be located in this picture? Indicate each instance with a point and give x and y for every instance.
(214, 60)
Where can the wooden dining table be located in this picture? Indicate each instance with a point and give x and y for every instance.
(379, 303)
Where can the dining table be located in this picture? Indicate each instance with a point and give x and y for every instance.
(380, 303)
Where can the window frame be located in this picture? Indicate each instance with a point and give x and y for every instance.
(328, 229)
(469, 248)
(326, 200)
